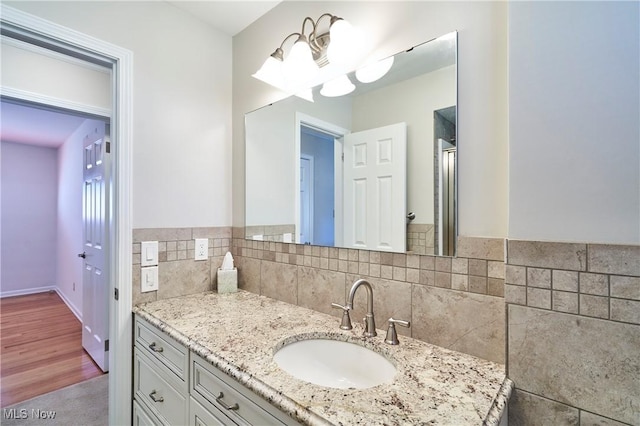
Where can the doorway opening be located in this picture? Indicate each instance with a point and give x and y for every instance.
(317, 187)
(44, 149)
(445, 178)
(319, 191)
(40, 32)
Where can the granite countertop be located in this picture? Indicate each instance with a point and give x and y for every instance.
(239, 332)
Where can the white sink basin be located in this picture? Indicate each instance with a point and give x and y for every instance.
(335, 364)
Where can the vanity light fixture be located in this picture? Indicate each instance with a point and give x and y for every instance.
(375, 71)
(338, 45)
(339, 86)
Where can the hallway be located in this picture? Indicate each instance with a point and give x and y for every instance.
(40, 347)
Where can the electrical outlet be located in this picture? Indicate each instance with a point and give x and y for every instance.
(202, 249)
(148, 279)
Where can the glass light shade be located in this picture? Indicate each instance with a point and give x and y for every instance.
(306, 94)
(337, 87)
(345, 43)
(375, 71)
(299, 66)
(271, 72)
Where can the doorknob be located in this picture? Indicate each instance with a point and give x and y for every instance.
(83, 254)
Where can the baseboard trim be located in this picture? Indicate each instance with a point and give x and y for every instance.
(26, 291)
(70, 305)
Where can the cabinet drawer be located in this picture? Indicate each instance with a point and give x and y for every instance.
(158, 389)
(200, 416)
(216, 390)
(162, 347)
(141, 417)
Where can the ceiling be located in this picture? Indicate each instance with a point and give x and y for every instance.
(47, 128)
(34, 126)
(230, 17)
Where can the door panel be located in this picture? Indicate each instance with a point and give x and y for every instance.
(360, 212)
(386, 211)
(375, 189)
(96, 284)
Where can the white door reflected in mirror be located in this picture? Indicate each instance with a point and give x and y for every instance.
(375, 187)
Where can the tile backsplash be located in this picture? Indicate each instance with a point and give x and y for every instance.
(593, 280)
(270, 232)
(178, 272)
(573, 333)
(420, 238)
(452, 302)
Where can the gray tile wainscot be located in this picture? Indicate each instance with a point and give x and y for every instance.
(238, 333)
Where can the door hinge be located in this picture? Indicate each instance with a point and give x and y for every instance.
(108, 147)
(106, 345)
(116, 294)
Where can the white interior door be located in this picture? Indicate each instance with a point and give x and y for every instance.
(95, 280)
(375, 196)
(306, 199)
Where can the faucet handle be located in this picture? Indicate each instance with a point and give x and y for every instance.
(346, 319)
(392, 336)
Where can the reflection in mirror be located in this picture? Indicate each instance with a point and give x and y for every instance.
(374, 169)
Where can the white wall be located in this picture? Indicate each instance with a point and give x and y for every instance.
(182, 98)
(28, 187)
(391, 27)
(269, 200)
(271, 137)
(34, 70)
(574, 121)
(69, 207)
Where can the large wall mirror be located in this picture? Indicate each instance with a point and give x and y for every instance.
(374, 169)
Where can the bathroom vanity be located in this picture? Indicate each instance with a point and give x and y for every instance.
(208, 359)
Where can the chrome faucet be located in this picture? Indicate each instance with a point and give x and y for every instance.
(369, 321)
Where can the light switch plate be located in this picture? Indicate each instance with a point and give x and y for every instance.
(149, 253)
(149, 279)
(202, 249)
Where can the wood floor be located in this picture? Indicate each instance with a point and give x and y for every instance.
(40, 347)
